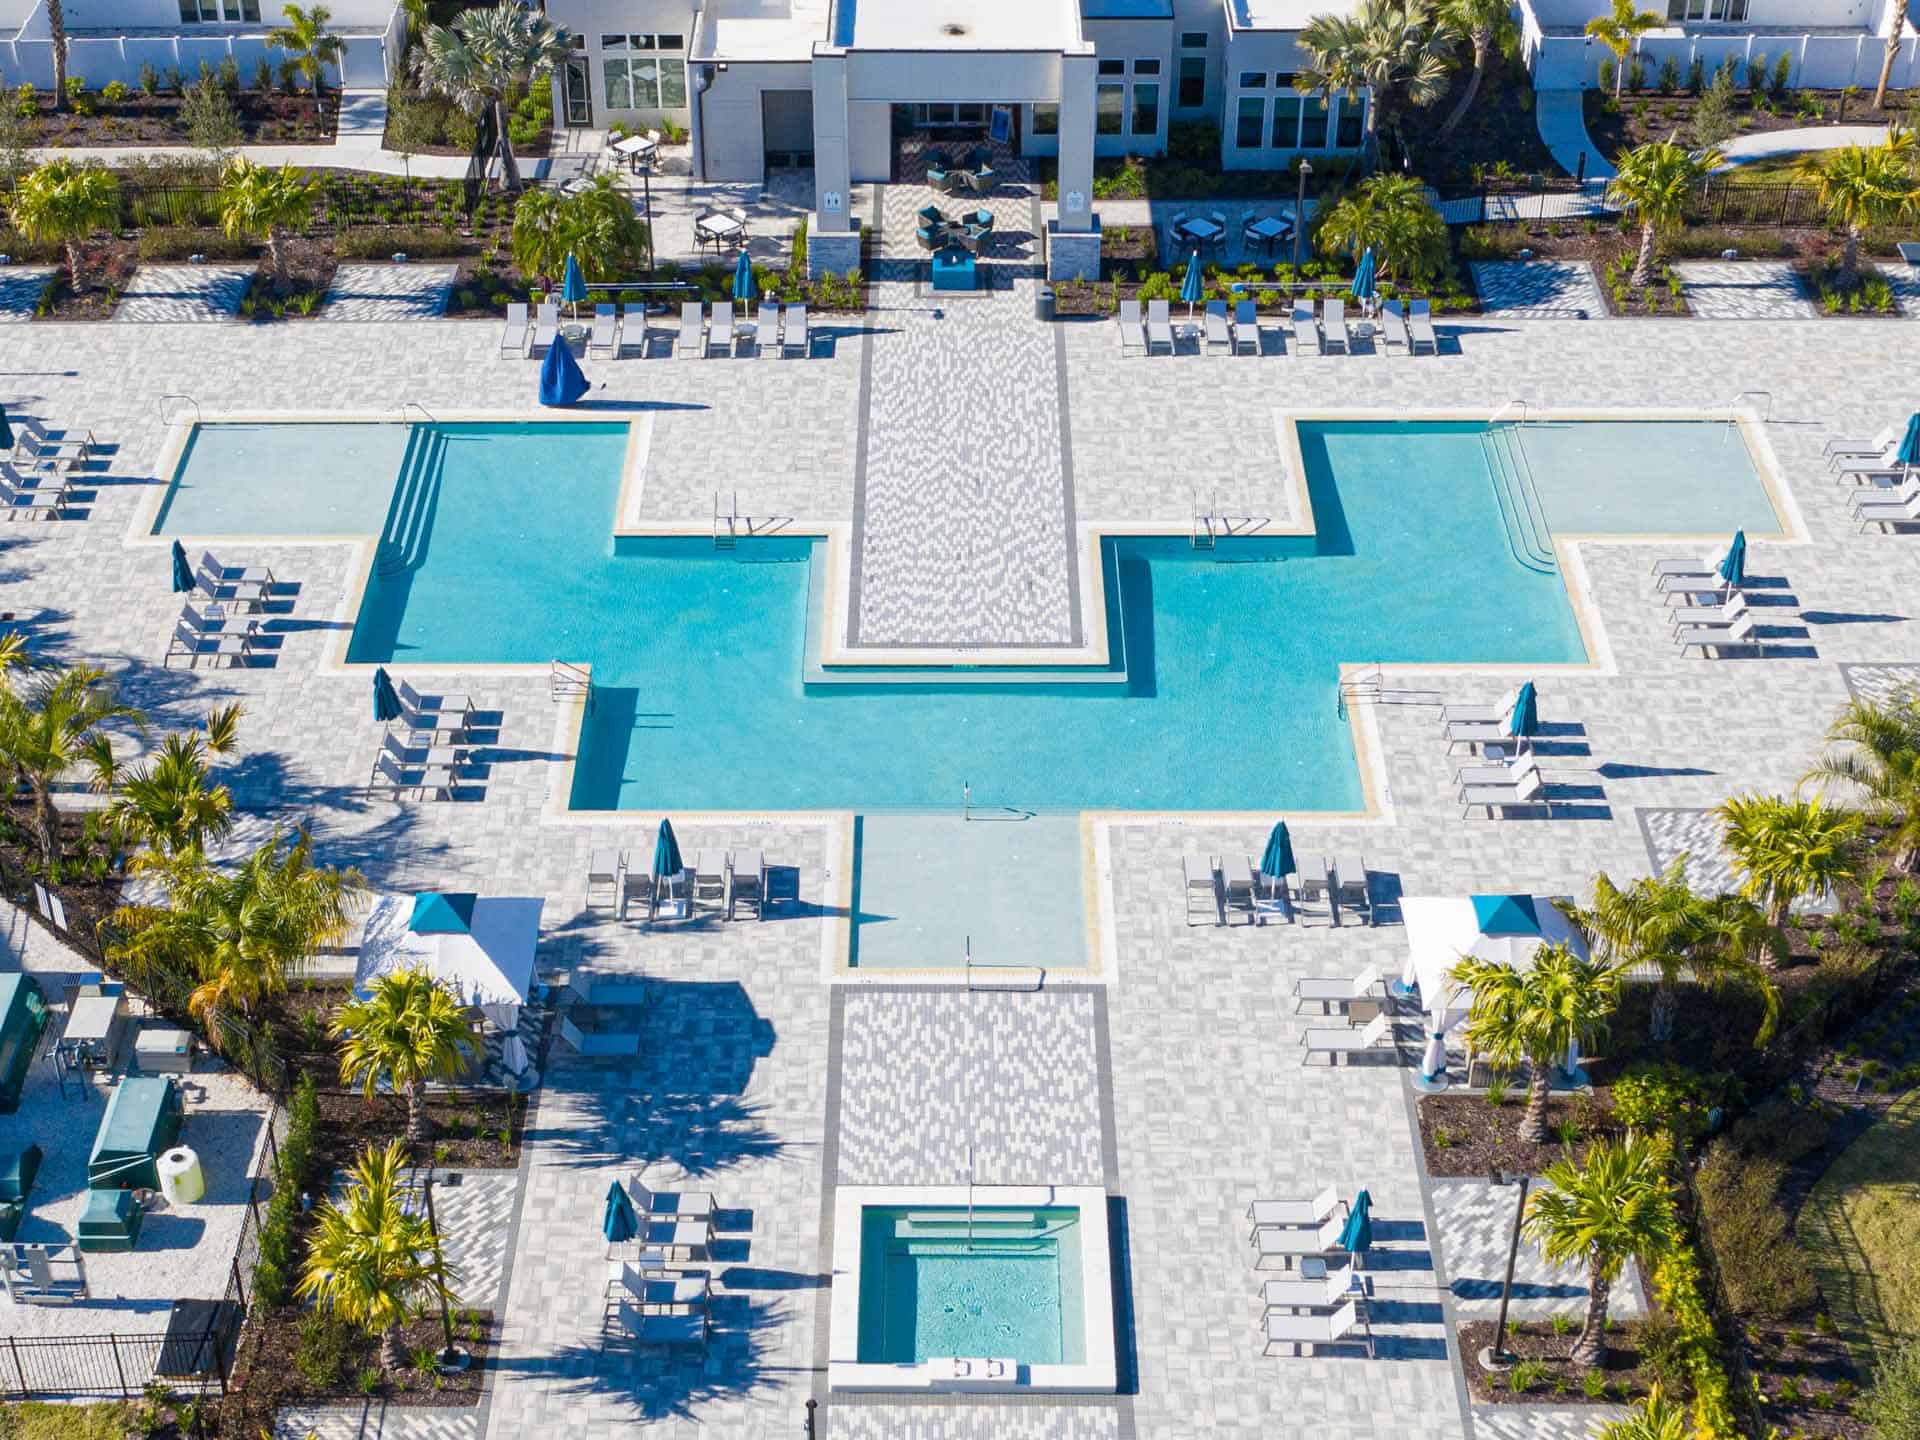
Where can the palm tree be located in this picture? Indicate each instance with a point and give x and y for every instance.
(486, 53)
(259, 204)
(1896, 37)
(1656, 921)
(1862, 186)
(409, 1031)
(1618, 30)
(1740, 946)
(1390, 213)
(167, 805)
(239, 932)
(1882, 763)
(310, 49)
(58, 723)
(598, 226)
(372, 1261)
(62, 203)
(1384, 46)
(1655, 1418)
(1616, 1206)
(1536, 1015)
(1655, 180)
(57, 33)
(1785, 849)
(1483, 21)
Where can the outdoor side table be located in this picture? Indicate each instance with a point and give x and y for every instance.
(953, 269)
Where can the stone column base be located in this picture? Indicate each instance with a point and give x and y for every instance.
(1073, 254)
(831, 251)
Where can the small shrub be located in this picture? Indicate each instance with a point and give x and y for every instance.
(1607, 73)
(1782, 73)
(114, 91)
(1714, 118)
(1697, 75)
(1561, 1322)
(1781, 1129)
(149, 79)
(26, 104)
(321, 1354)
(367, 1380)
(1497, 1091)
(1789, 1391)
(263, 75)
(1669, 75)
(1525, 1375)
(1761, 1263)
(1636, 75)
(1593, 1385)
(1757, 72)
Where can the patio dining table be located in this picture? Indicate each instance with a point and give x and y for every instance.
(718, 229)
(635, 150)
(1199, 230)
(1268, 231)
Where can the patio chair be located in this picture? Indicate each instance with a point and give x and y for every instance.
(794, 338)
(747, 882)
(1159, 325)
(397, 782)
(1687, 568)
(1328, 992)
(604, 341)
(1320, 1040)
(1353, 884)
(1715, 640)
(1476, 733)
(1287, 1243)
(1528, 788)
(1712, 617)
(1316, 1330)
(513, 334)
(669, 1204)
(1689, 585)
(932, 216)
(197, 633)
(605, 867)
(1246, 327)
(445, 703)
(33, 442)
(247, 586)
(1882, 495)
(1293, 1213)
(766, 329)
(710, 876)
(636, 885)
(1391, 326)
(937, 171)
(1237, 879)
(1218, 337)
(1315, 883)
(44, 497)
(1852, 446)
(546, 326)
(1306, 329)
(980, 180)
(1133, 330)
(693, 327)
(720, 329)
(1333, 322)
(1202, 887)
(1889, 512)
(1506, 772)
(1420, 327)
(1854, 467)
(1497, 714)
(1303, 1294)
(931, 238)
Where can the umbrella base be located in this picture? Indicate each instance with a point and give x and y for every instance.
(1431, 1084)
(453, 1360)
(1494, 1360)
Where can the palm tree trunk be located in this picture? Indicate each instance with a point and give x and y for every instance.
(57, 25)
(417, 1126)
(510, 172)
(1893, 49)
(46, 819)
(1590, 1350)
(277, 253)
(73, 265)
(1482, 48)
(1666, 997)
(1533, 1124)
(1849, 276)
(392, 1354)
(1643, 265)
(1620, 69)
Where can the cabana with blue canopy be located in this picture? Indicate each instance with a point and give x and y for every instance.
(182, 571)
(561, 382)
(573, 286)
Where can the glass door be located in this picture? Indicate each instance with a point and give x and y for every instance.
(579, 92)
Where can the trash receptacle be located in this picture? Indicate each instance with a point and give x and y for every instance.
(1043, 303)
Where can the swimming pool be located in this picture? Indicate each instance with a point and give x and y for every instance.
(1222, 694)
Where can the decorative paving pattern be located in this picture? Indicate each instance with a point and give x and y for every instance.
(1002, 1420)
(184, 294)
(1538, 289)
(928, 1075)
(1881, 682)
(21, 287)
(1695, 834)
(376, 1420)
(1744, 290)
(389, 292)
(1475, 1219)
(476, 1221)
(1905, 280)
(1543, 1422)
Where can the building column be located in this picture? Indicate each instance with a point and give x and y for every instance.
(1073, 240)
(833, 240)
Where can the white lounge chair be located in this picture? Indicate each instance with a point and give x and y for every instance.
(693, 330)
(1328, 991)
(204, 632)
(1529, 787)
(1499, 714)
(1333, 323)
(1691, 586)
(720, 329)
(446, 703)
(1722, 616)
(1298, 1330)
(1717, 639)
(1322, 1040)
(795, 338)
(1509, 772)
(1855, 445)
(1882, 495)
(1420, 327)
(766, 329)
(1287, 1243)
(44, 497)
(1218, 335)
(1293, 1213)
(1202, 890)
(1391, 326)
(397, 781)
(546, 327)
(1133, 330)
(1159, 326)
(747, 882)
(1306, 329)
(1246, 327)
(668, 1204)
(604, 340)
(1681, 567)
(513, 334)
(1889, 512)
(1475, 733)
(1321, 1294)
(1860, 468)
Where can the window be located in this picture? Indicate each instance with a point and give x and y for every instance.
(1193, 39)
(1192, 94)
(1251, 121)
(1146, 67)
(1253, 79)
(208, 12)
(1313, 123)
(1146, 109)
(1046, 119)
(1109, 108)
(1113, 67)
(1350, 117)
(654, 78)
(1286, 122)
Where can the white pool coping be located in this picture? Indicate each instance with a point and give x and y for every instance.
(1097, 1375)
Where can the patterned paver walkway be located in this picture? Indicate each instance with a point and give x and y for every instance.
(184, 293)
(1744, 290)
(1476, 1229)
(1538, 289)
(389, 292)
(21, 287)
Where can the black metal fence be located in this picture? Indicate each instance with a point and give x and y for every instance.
(195, 1358)
(1717, 201)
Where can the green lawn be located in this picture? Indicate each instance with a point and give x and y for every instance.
(1858, 1230)
(34, 1421)
(1769, 170)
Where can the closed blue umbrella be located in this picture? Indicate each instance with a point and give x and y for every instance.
(1907, 454)
(1363, 276)
(182, 571)
(6, 430)
(1277, 860)
(1357, 1237)
(561, 382)
(619, 1222)
(666, 853)
(386, 700)
(573, 285)
(1191, 285)
(1525, 719)
(1733, 568)
(743, 279)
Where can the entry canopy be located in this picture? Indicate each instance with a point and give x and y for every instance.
(1509, 929)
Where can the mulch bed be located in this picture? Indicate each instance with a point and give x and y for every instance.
(310, 267)
(271, 1369)
(266, 118)
(1499, 130)
(1809, 1379)
(1464, 1136)
(106, 265)
(1651, 115)
(1627, 1376)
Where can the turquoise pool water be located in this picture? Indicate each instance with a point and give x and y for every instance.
(1008, 1286)
(496, 547)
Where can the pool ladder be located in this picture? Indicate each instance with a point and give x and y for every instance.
(566, 681)
(727, 523)
(1368, 686)
(1522, 516)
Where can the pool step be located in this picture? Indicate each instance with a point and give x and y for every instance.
(920, 1222)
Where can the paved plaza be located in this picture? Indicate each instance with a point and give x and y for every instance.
(968, 453)
(1538, 289)
(1744, 290)
(183, 294)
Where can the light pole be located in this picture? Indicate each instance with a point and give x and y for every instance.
(1300, 216)
(452, 1358)
(1496, 1356)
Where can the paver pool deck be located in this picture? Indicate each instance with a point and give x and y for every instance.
(1183, 1055)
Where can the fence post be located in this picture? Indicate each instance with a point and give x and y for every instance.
(18, 1368)
(119, 1369)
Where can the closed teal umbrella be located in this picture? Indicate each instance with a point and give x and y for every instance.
(1733, 569)
(666, 853)
(1277, 860)
(1191, 285)
(573, 285)
(386, 700)
(619, 1222)
(1357, 1237)
(182, 571)
(1907, 454)
(561, 380)
(743, 279)
(1525, 719)
(1363, 276)
(6, 430)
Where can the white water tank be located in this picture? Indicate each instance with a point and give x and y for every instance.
(180, 1178)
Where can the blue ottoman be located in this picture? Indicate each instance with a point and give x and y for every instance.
(953, 270)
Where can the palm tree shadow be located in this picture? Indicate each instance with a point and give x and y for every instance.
(673, 1384)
